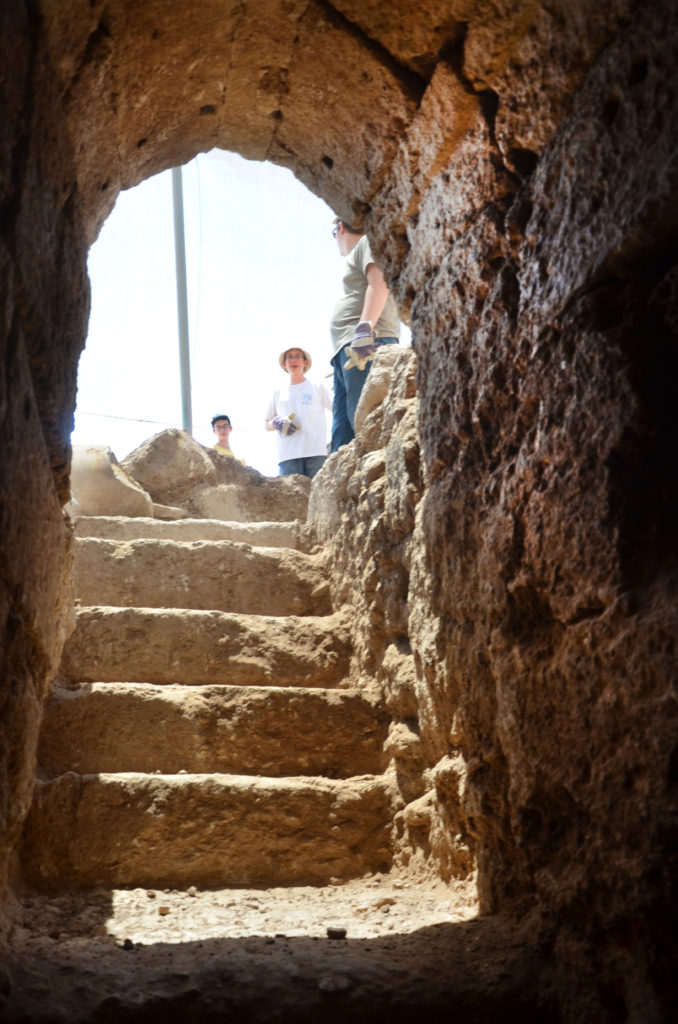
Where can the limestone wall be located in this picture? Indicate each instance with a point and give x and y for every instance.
(43, 310)
(514, 165)
(547, 377)
(366, 509)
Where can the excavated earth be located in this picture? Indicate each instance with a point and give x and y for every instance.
(206, 726)
(265, 955)
(502, 535)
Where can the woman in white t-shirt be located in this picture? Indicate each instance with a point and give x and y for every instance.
(297, 412)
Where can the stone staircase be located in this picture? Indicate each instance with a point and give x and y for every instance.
(203, 732)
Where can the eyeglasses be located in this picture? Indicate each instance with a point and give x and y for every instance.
(289, 356)
(335, 230)
(222, 426)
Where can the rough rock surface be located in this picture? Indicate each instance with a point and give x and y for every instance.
(170, 462)
(269, 501)
(206, 785)
(201, 647)
(178, 472)
(378, 381)
(364, 507)
(104, 727)
(182, 830)
(291, 535)
(515, 166)
(221, 575)
(266, 955)
(100, 485)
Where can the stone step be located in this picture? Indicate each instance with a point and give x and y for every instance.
(128, 727)
(175, 645)
(218, 575)
(265, 535)
(252, 499)
(211, 831)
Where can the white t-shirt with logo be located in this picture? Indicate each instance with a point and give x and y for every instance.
(308, 402)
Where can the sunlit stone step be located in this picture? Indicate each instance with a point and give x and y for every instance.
(175, 645)
(205, 830)
(217, 575)
(109, 727)
(269, 535)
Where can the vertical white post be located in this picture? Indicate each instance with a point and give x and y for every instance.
(182, 300)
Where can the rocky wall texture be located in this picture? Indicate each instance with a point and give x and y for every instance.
(541, 576)
(545, 618)
(515, 166)
(43, 309)
(363, 508)
(147, 86)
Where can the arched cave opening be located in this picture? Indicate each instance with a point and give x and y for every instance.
(77, 918)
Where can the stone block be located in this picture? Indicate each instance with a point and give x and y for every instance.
(169, 463)
(263, 535)
(169, 512)
(108, 727)
(213, 574)
(329, 492)
(178, 830)
(176, 645)
(377, 384)
(269, 499)
(101, 486)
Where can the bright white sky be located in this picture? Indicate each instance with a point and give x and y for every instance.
(263, 274)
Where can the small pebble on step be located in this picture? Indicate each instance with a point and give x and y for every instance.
(334, 984)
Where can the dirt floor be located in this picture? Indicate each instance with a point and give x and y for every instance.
(365, 909)
(360, 950)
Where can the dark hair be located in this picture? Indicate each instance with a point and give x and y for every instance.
(347, 227)
(221, 416)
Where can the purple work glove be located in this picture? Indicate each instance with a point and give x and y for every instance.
(285, 424)
(362, 348)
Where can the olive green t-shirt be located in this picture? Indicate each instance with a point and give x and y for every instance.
(346, 314)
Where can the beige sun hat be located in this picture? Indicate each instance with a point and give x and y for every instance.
(281, 357)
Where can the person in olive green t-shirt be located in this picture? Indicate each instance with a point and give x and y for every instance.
(364, 318)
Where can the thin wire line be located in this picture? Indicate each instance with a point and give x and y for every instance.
(126, 419)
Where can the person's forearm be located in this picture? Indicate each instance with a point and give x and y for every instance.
(376, 295)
